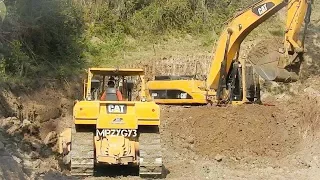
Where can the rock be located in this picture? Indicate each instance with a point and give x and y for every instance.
(36, 144)
(190, 140)
(18, 160)
(34, 155)
(25, 123)
(192, 161)
(16, 139)
(185, 145)
(1, 146)
(28, 163)
(48, 113)
(312, 92)
(36, 163)
(46, 152)
(13, 129)
(218, 157)
(8, 119)
(269, 169)
(191, 147)
(66, 159)
(51, 138)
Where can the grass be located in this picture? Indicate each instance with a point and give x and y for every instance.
(129, 49)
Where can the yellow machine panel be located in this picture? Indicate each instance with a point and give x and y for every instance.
(181, 91)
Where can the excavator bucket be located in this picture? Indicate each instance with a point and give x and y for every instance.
(265, 58)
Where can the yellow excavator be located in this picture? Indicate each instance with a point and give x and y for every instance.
(231, 80)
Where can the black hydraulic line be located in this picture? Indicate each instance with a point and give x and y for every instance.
(223, 70)
(257, 89)
(233, 77)
(240, 81)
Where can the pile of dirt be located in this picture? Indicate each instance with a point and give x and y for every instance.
(233, 131)
(248, 141)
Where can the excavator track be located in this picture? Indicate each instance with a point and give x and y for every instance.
(150, 153)
(82, 153)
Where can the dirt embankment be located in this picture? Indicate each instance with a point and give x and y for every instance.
(29, 124)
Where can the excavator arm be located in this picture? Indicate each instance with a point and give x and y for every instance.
(298, 11)
(241, 25)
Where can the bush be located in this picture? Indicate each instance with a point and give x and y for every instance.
(42, 38)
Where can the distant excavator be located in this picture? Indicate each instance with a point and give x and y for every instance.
(231, 80)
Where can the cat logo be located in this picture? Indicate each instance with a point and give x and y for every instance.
(118, 121)
(263, 8)
(117, 108)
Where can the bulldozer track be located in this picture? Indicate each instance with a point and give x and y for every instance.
(82, 154)
(150, 153)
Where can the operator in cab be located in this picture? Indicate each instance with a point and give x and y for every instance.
(111, 93)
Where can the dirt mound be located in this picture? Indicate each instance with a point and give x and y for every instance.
(234, 131)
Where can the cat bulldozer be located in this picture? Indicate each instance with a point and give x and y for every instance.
(232, 80)
(114, 124)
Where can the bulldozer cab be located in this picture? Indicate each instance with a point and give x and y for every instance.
(111, 84)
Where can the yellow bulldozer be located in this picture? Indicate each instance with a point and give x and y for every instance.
(114, 124)
(231, 80)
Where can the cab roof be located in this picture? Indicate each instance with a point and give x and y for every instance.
(116, 72)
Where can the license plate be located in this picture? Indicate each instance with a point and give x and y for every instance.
(116, 132)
